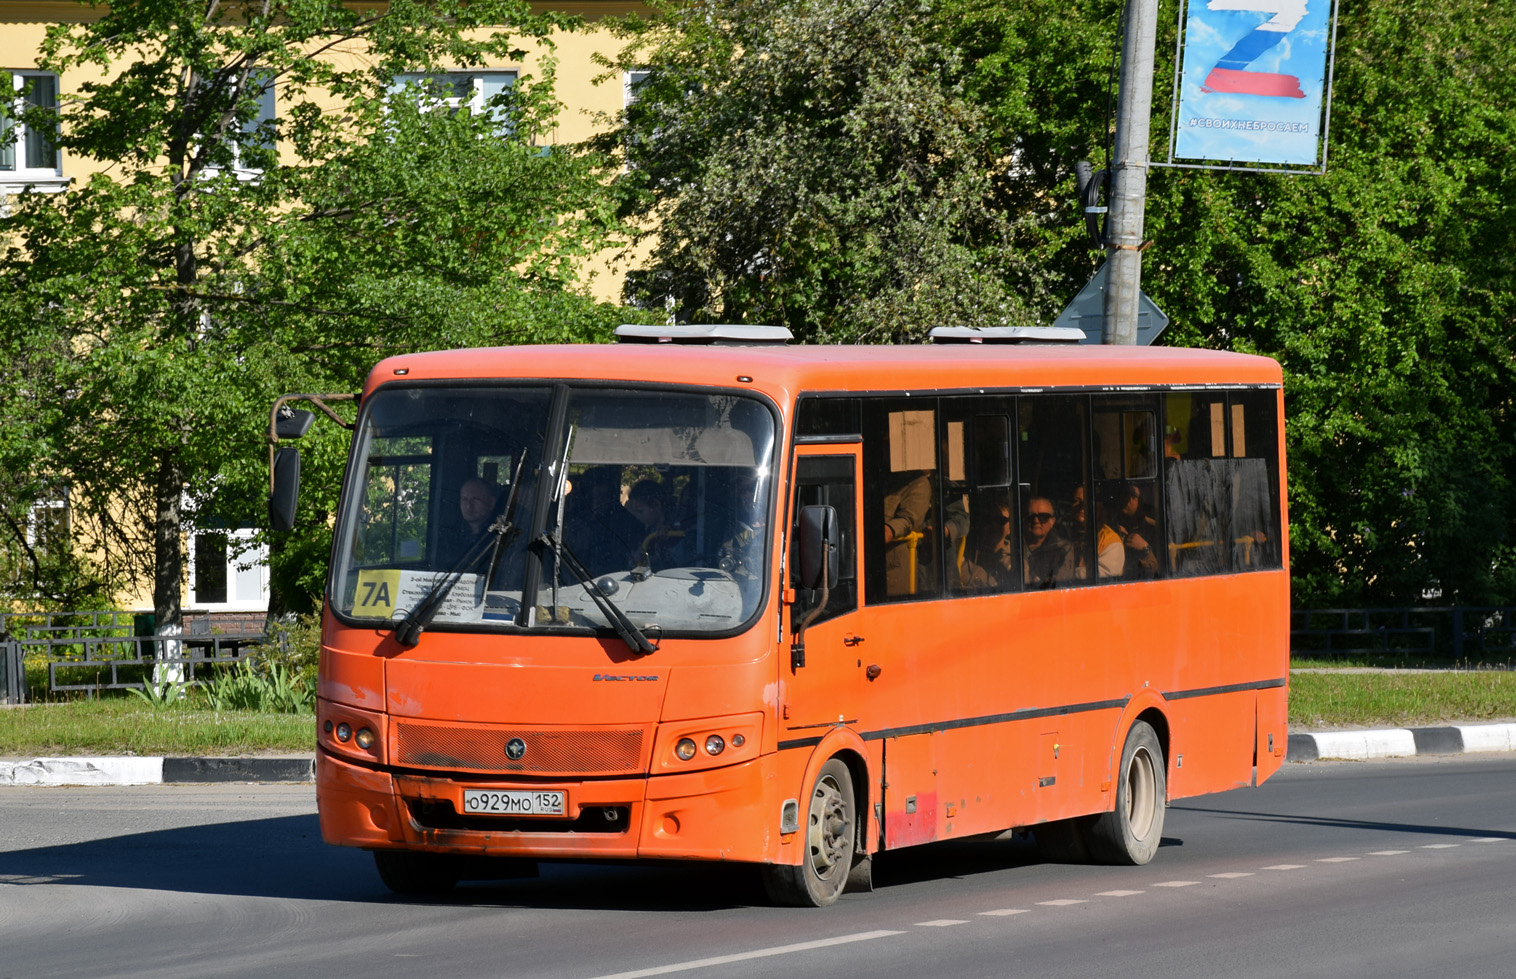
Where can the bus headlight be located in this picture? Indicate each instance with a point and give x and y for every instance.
(364, 739)
(714, 745)
(685, 749)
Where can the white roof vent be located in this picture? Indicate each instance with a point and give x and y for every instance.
(1005, 334)
(714, 334)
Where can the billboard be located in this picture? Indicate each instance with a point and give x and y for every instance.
(1253, 81)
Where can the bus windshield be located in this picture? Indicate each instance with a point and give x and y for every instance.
(502, 506)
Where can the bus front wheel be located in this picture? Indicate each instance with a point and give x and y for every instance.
(1130, 834)
(829, 832)
(409, 872)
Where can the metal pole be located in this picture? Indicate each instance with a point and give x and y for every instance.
(1129, 177)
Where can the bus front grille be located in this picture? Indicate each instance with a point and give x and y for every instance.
(593, 751)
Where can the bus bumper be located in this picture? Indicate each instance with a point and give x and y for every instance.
(717, 814)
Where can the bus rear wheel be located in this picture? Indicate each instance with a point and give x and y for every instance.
(409, 872)
(1130, 834)
(830, 829)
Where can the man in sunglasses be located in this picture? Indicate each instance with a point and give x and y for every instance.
(1047, 560)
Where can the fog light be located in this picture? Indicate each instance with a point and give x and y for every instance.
(328, 727)
(714, 745)
(344, 732)
(738, 741)
(685, 749)
(365, 738)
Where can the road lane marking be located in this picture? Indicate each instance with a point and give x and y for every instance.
(1286, 866)
(1232, 876)
(1439, 846)
(1488, 839)
(1177, 883)
(1336, 859)
(1388, 853)
(760, 953)
(1062, 902)
(940, 923)
(1120, 893)
(1003, 912)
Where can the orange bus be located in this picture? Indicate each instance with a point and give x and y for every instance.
(715, 596)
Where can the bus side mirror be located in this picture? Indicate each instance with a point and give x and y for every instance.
(820, 547)
(293, 424)
(284, 491)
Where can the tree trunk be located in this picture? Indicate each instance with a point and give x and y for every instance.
(168, 568)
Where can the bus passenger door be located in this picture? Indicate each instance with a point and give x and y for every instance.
(821, 682)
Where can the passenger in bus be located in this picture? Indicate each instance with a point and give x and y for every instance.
(1138, 530)
(663, 543)
(598, 528)
(1110, 555)
(1046, 558)
(741, 550)
(907, 508)
(989, 559)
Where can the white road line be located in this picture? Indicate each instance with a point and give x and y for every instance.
(1336, 859)
(761, 953)
(1388, 853)
(1439, 846)
(1119, 893)
(1286, 866)
(1489, 839)
(1232, 876)
(1177, 883)
(1003, 912)
(1060, 903)
(940, 923)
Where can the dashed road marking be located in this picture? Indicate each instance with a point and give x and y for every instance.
(1489, 839)
(761, 953)
(1177, 883)
(1388, 853)
(1439, 846)
(1336, 859)
(1062, 902)
(1286, 866)
(1120, 893)
(1233, 876)
(940, 923)
(1003, 912)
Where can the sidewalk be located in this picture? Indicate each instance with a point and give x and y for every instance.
(1317, 746)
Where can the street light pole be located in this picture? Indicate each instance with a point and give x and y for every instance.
(1129, 174)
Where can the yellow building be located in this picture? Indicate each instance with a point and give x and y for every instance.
(219, 579)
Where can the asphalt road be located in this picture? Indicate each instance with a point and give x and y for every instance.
(1384, 869)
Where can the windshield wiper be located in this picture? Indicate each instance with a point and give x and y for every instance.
(634, 637)
(496, 538)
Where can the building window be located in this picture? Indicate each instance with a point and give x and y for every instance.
(228, 571)
(454, 90)
(631, 81)
(253, 145)
(47, 525)
(29, 154)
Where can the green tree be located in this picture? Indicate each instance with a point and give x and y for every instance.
(812, 163)
(1385, 288)
(222, 256)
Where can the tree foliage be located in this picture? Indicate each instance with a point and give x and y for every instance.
(215, 261)
(812, 163)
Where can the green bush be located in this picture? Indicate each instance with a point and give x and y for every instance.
(264, 687)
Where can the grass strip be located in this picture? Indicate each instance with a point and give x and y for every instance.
(117, 726)
(1410, 698)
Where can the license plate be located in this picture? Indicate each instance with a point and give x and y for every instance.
(513, 802)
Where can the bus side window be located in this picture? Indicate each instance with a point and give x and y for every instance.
(1197, 483)
(901, 484)
(1254, 429)
(827, 481)
(1053, 466)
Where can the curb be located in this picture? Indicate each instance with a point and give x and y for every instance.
(1402, 742)
(106, 770)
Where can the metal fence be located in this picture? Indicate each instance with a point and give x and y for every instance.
(114, 650)
(1460, 632)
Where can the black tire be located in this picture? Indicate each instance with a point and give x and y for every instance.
(409, 872)
(830, 833)
(1130, 834)
(1064, 841)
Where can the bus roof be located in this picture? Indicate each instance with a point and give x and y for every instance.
(786, 371)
